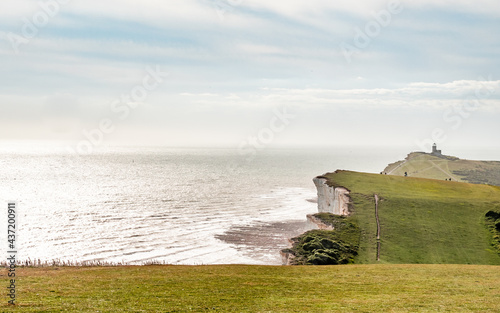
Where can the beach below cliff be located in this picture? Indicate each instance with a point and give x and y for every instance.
(263, 241)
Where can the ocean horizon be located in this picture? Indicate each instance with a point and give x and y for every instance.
(134, 205)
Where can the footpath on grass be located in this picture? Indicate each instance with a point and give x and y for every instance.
(378, 227)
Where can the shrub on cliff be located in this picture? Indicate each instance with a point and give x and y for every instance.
(493, 223)
(336, 221)
(327, 247)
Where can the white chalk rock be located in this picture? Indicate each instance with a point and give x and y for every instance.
(330, 199)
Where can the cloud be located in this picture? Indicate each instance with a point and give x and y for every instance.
(418, 96)
(298, 8)
(485, 7)
(233, 60)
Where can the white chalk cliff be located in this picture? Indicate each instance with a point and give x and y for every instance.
(331, 199)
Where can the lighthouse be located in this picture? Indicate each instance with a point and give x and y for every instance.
(435, 151)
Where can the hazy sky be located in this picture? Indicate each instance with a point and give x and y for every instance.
(251, 73)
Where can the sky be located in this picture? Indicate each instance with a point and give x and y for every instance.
(251, 74)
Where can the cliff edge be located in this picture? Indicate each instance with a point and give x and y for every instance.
(332, 199)
(337, 239)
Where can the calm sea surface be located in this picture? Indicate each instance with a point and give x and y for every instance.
(179, 206)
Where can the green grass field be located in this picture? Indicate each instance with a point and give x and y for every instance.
(422, 220)
(243, 288)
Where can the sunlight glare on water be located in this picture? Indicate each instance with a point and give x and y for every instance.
(136, 204)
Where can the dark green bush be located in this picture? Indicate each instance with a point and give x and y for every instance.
(493, 215)
(493, 223)
(327, 247)
(322, 258)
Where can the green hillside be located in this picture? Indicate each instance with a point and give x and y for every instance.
(422, 220)
(426, 165)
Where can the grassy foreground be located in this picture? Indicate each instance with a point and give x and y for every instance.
(244, 288)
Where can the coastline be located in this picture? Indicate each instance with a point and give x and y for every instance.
(264, 241)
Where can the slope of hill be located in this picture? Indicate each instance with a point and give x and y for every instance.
(421, 220)
(426, 165)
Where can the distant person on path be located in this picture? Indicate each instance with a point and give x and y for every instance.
(406, 174)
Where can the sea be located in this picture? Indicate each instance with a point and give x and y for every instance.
(139, 205)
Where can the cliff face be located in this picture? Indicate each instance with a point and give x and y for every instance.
(330, 199)
(333, 200)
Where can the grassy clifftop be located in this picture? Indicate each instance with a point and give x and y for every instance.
(422, 220)
(425, 165)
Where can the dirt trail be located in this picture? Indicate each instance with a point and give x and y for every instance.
(447, 173)
(403, 163)
(378, 227)
(391, 171)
